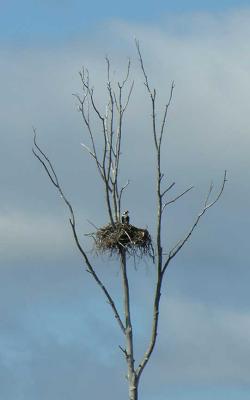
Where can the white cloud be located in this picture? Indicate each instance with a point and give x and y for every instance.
(25, 237)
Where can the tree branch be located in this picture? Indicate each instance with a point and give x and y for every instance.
(166, 113)
(168, 188)
(137, 43)
(43, 159)
(176, 198)
(155, 322)
(181, 243)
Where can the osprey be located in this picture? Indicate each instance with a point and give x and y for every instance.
(125, 217)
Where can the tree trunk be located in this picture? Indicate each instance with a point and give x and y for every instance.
(133, 388)
(129, 349)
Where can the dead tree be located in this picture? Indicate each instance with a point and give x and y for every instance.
(118, 238)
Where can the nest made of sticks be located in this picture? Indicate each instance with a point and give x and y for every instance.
(112, 238)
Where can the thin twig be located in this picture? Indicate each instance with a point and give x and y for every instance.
(168, 188)
(176, 198)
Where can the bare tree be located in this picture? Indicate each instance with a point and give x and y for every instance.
(108, 166)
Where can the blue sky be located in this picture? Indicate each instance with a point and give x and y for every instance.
(57, 334)
(56, 20)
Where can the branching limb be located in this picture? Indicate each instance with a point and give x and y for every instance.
(168, 188)
(101, 164)
(152, 342)
(86, 120)
(176, 198)
(90, 91)
(207, 205)
(157, 136)
(161, 205)
(121, 85)
(49, 169)
(120, 112)
(108, 162)
(152, 94)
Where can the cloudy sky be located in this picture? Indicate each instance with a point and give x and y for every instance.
(58, 337)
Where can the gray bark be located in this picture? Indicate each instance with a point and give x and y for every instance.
(129, 349)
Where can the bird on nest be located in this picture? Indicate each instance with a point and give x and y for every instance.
(125, 217)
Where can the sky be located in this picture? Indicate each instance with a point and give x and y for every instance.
(58, 337)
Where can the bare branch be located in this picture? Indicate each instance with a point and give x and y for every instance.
(44, 160)
(91, 92)
(161, 267)
(121, 85)
(160, 194)
(90, 269)
(86, 120)
(168, 188)
(101, 165)
(155, 322)
(177, 197)
(124, 351)
(109, 133)
(91, 223)
(153, 98)
(93, 155)
(108, 67)
(50, 173)
(209, 193)
(143, 69)
(181, 243)
(45, 167)
(166, 112)
(116, 101)
(80, 100)
(129, 95)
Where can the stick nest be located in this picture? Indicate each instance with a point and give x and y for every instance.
(112, 238)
